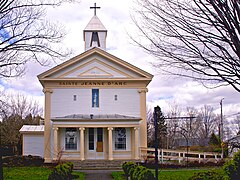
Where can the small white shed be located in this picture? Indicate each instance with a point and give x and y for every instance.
(33, 140)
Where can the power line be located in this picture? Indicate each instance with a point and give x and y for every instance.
(238, 113)
(182, 117)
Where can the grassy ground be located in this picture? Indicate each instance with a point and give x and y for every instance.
(33, 173)
(180, 174)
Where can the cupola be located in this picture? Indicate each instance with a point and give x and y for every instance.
(95, 33)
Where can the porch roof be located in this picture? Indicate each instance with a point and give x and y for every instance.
(32, 129)
(96, 117)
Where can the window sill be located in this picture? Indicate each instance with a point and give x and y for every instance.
(71, 152)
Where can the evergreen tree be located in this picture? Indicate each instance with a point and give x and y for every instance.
(162, 129)
(214, 140)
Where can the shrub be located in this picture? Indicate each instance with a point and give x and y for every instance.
(127, 166)
(209, 175)
(232, 167)
(13, 161)
(62, 172)
(145, 174)
(137, 172)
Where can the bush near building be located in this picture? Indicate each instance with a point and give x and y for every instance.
(232, 167)
(137, 172)
(62, 172)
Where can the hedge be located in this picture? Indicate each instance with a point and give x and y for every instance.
(136, 172)
(62, 172)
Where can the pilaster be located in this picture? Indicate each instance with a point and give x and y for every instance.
(47, 125)
(143, 124)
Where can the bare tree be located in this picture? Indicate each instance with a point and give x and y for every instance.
(237, 123)
(197, 39)
(26, 36)
(18, 110)
(20, 105)
(192, 125)
(173, 123)
(209, 123)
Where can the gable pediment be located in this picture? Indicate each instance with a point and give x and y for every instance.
(95, 63)
(95, 72)
(93, 68)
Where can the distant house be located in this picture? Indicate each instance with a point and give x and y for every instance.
(183, 142)
(233, 145)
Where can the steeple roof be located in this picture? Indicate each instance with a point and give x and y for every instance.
(95, 25)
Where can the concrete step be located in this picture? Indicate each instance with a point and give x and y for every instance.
(99, 164)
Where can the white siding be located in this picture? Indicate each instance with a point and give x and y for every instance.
(128, 102)
(88, 36)
(102, 39)
(33, 145)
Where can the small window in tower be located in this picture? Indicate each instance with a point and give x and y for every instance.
(74, 97)
(115, 97)
(95, 40)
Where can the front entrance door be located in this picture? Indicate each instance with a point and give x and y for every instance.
(95, 143)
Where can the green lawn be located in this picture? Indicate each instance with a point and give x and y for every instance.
(180, 174)
(33, 173)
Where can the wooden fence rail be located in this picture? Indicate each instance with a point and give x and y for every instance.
(179, 155)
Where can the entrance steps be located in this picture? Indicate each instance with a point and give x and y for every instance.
(100, 164)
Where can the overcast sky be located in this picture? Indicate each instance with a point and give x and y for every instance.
(115, 15)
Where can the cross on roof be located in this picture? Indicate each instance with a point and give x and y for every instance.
(95, 7)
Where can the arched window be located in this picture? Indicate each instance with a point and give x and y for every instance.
(95, 40)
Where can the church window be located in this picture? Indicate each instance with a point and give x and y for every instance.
(74, 97)
(115, 97)
(95, 97)
(91, 138)
(95, 40)
(71, 139)
(120, 138)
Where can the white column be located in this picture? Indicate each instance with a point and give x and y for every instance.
(110, 149)
(55, 141)
(136, 130)
(82, 143)
(136, 134)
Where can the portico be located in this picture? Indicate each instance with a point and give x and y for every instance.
(94, 138)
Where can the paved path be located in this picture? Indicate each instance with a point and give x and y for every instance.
(98, 174)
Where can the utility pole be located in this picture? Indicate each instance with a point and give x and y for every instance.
(221, 123)
(1, 152)
(156, 111)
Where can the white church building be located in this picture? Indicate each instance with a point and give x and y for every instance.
(95, 106)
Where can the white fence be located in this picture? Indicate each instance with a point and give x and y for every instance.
(179, 155)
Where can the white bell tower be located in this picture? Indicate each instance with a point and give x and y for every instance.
(95, 33)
